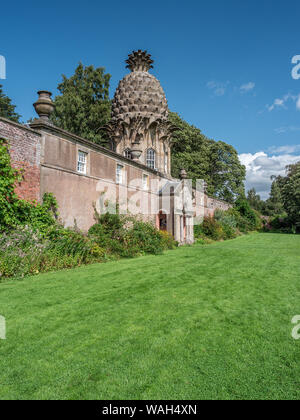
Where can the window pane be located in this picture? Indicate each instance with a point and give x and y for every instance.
(151, 158)
(81, 163)
(119, 174)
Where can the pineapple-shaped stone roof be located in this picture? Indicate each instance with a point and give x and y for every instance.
(139, 93)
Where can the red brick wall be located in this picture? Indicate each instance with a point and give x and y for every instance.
(25, 151)
(212, 204)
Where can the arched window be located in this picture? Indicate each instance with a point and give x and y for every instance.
(127, 153)
(151, 158)
(112, 145)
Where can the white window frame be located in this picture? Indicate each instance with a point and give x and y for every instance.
(119, 174)
(151, 160)
(82, 158)
(146, 181)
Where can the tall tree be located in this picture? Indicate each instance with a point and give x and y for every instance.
(217, 163)
(84, 106)
(274, 204)
(254, 200)
(290, 192)
(7, 109)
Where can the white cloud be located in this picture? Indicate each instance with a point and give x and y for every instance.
(261, 166)
(280, 103)
(219, 88)
(285, 149)
(247, 87)
(282, 130)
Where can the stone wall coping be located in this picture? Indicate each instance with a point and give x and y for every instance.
(20, 126)
(44, 127)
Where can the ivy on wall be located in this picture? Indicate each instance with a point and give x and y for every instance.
(14, 211)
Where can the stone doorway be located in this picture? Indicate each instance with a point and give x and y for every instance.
(162, 221)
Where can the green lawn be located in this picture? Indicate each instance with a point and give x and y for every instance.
(210, 322)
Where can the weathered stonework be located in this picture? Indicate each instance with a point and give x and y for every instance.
(140, 115)
(25, 151)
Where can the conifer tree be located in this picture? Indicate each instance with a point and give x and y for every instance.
(7, 109)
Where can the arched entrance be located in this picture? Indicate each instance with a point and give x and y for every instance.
(162, 221)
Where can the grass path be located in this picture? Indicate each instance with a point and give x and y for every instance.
(195, 323)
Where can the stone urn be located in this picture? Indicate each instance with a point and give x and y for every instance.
(136, 154)
(183, 174)
(44, 105)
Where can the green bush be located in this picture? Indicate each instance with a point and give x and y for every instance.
(212, 228)
(283, 224)
(198, 232)
(247, 213)
(125, 236)
(168, 240)
(228, 222)
(111, 224)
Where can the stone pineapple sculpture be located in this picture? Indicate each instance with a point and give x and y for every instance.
(140, 112)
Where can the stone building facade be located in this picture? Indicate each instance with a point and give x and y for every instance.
(135, 173)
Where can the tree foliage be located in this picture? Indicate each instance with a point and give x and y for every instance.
(274, 205)
(254, 200)
(214, 161)
(7, 109)
(290, 192)
(84, 106)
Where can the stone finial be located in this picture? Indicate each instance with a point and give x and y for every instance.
(44, 106)
(139, 61)
(183, 174)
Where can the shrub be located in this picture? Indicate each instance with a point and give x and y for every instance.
(126, 236)
(168, 240)
(242, 223)
(228, 222)
(198, 231)
(226, 218)
(212, 228)
(252, 218)
(282, 224)
(111, 224)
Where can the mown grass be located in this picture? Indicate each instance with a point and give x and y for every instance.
(201, 322)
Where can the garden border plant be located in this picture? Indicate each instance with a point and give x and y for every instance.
(32, 239)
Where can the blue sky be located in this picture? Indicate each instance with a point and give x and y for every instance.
(225, 66)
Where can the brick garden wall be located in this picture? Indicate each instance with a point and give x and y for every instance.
(25, 151)
(212, 204)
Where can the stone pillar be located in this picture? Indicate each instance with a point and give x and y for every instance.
(190, 230)
(177, 227)
(187, 229)
(181, 229)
